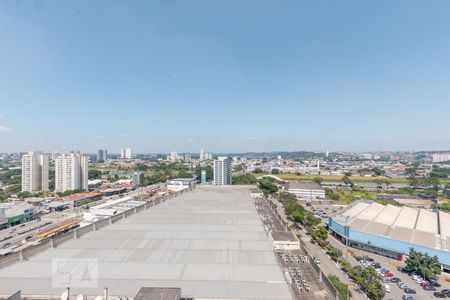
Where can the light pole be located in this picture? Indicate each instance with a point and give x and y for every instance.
(346, 244)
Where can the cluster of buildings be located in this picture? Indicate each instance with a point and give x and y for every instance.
(71, 172)
(187, 157)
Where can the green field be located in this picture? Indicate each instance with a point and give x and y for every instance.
(336, 178)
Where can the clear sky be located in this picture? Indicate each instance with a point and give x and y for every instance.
(226, 75)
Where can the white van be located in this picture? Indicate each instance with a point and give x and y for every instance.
(387, 288)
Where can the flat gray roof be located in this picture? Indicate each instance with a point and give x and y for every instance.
(210, 242)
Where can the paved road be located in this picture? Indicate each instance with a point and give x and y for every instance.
(326, 264)
(291, 259)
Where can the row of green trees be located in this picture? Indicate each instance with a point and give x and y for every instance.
(244, 179)
(367, 278)
(267, 187)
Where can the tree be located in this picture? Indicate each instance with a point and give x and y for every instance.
(428, 266)
(94, 174)
(378, 172)
(286, 196)
(13, 188)
(209, 172)
(334, 253)
(142, 167)
(184, 174)
(267, 187)
(244, 179)
(322, 232)
(24, 195)
(258, 170)
(318, 180)
(346, 180)
(330, 194)
(275, 171)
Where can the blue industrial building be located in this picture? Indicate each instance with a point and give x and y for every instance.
(391, 230)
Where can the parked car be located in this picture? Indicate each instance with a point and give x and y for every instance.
(409, 290)
(434, 283)
(439, 295)
(405, 269)
(429, 288)
(388, 274)
(395, 279)
(446, 291)
(376, 265)
(387, 288)
(424, 284)
(408, 297)
(385, 280)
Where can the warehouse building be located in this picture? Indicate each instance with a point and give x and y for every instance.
(14, 213)
(391, 230)
(210, 243)
(306, 190)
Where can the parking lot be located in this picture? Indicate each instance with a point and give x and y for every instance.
(396, 281)
(299, 274)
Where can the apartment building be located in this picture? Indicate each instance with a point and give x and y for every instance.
(71, 172)
(126, 153)
(102, 155)
(222, 171)
(34, 172)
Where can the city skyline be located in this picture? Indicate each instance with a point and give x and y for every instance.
(253, 76)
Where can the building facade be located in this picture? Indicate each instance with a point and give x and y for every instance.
(202, 154)
(34, 172)
(306, 190)
(71, 172)
(440, 157)
(136, 178)
(126, 153)
(222, 171)
(392, 230)
(102, 155)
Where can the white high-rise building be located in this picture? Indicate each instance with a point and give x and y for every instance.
(102, 155)
(202, 154)
(173, 156)
(126, 153)
(222, 171)
(34, 172)
(187, 157)
(440, 157)
(71, 172)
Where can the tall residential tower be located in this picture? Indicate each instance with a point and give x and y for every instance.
(34, 172)
(71, 172)
(222, 171)
(126, 153)
(102, 155)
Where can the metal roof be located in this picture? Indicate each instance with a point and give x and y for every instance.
(210, 243)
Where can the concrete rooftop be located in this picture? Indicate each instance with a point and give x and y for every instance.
(209, 242)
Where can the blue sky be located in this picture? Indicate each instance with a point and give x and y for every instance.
(224, 75)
